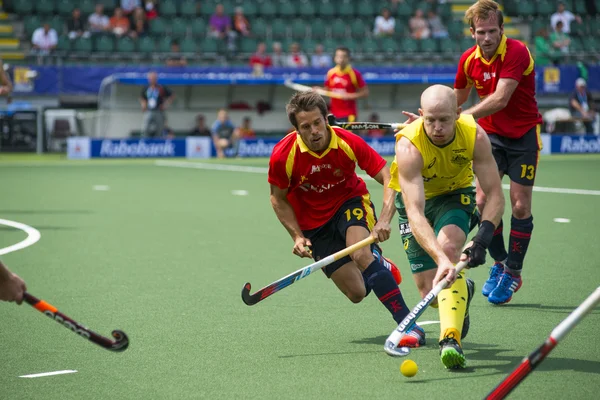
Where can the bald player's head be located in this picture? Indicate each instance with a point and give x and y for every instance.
(439, 112)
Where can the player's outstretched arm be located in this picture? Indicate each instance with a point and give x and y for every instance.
(486, 171)
(12, 286)
(382, 229)
(496, 101)
(6, 85)
(285, 213)
(462, 95)
(410, 164)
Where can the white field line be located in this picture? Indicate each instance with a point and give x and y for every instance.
(263, 170)
(33, 235)
(66, 371)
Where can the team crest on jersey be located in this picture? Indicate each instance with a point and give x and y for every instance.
(460, 160)
(338, 172)
(488, 75)
(459, 150)
(432, 163)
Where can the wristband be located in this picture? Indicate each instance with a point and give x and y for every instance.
(485, 234)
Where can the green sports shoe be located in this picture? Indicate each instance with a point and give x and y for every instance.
(451, 354)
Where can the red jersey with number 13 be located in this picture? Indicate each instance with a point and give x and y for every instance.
(512, 60)
(318, 184)
(347, 80)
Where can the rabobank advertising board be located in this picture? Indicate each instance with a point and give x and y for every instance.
(575, 144)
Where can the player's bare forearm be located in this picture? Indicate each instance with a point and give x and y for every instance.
(285, 213)
(496, 101)
(5, 81)
(4, 272)
(389, 209)
(462, 95)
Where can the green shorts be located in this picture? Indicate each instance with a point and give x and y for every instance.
(454, 208)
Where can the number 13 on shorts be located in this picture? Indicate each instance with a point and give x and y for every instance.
(527, 171)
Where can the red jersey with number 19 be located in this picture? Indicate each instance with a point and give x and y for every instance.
(512, 60)
(318, 184)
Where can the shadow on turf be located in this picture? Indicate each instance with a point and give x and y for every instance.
(502, 363)
(5, 212)
(541, 307)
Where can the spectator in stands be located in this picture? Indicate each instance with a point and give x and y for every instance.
(438, 29)
(98, 21)
(119, 23)
(154, 99)
(128, 6)
(582, 105)
(224, 134)
(175, 58)
(139, 23)
(296, 58)
(320, 59)
(559, 39)
(565, 16)
(260, 60)
(76, 26)
(278, 57)
(384, 24)
(419, 28)
(44, 39)
(246, 131)
(151, 11)
(201, 129)
(545, 54)
(240, 23)
(220, 26)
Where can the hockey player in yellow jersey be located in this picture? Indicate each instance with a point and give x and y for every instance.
(437, 155)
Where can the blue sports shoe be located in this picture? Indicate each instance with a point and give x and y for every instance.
(508, 285)
(495, 271)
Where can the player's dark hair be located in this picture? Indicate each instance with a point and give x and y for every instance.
(305, 101)
(344, 49)
(483, 10)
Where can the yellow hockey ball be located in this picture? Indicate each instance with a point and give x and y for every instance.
(409, 368)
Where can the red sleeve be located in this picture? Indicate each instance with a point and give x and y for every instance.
(368, 159)
(462, 80)
(268, 62)
(277, 173)
(516, 61)
(359, 79)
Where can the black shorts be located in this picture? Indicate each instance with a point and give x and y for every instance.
(518, 158)
(331, 237)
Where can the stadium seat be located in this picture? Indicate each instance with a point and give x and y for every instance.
(30, 24)
(409, 45)
(104, 44)
(346, 8)
(206, 8)
(163, 44)
(158, 26)
(405, 11)
(358, 28)
(188, 8)
(125, 45)
(351, 44)
(268, 9)
(44, 7)
(188, 45)
(578, 29)
(466, 43)
(429, 45)
(539, 23)
(199, 27)
(87, 7)
(278, 28)
(424, 6)
(23, 7)
(591, 44)
(210, 46)
(168, 8)
(326, 9)
(83, 45)
(308, 45)
(545, 8)
(525, 9)
(370, 45)
(146, 45)
(250, 10)
(109, 6)
(338, 28)
(456, 29)
(298, 28)
(444, 10)
(65, 7)
(447, 46)
(579, 7)
(366, 9)
(259, 28)
(57, 23)
(318, 29)
(287, 9)
(576, 46)
(329, 45)
(390, 45)
(400, 29)
(179, 27)
(307, 9)
(64, 44)
(247, 45)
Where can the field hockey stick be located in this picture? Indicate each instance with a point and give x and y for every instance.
(251, 299)
(530, 362)
(304, 88)
(120, 343)
(364, 126)
(391, 344)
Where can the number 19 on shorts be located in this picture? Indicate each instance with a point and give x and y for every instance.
(357, 212)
